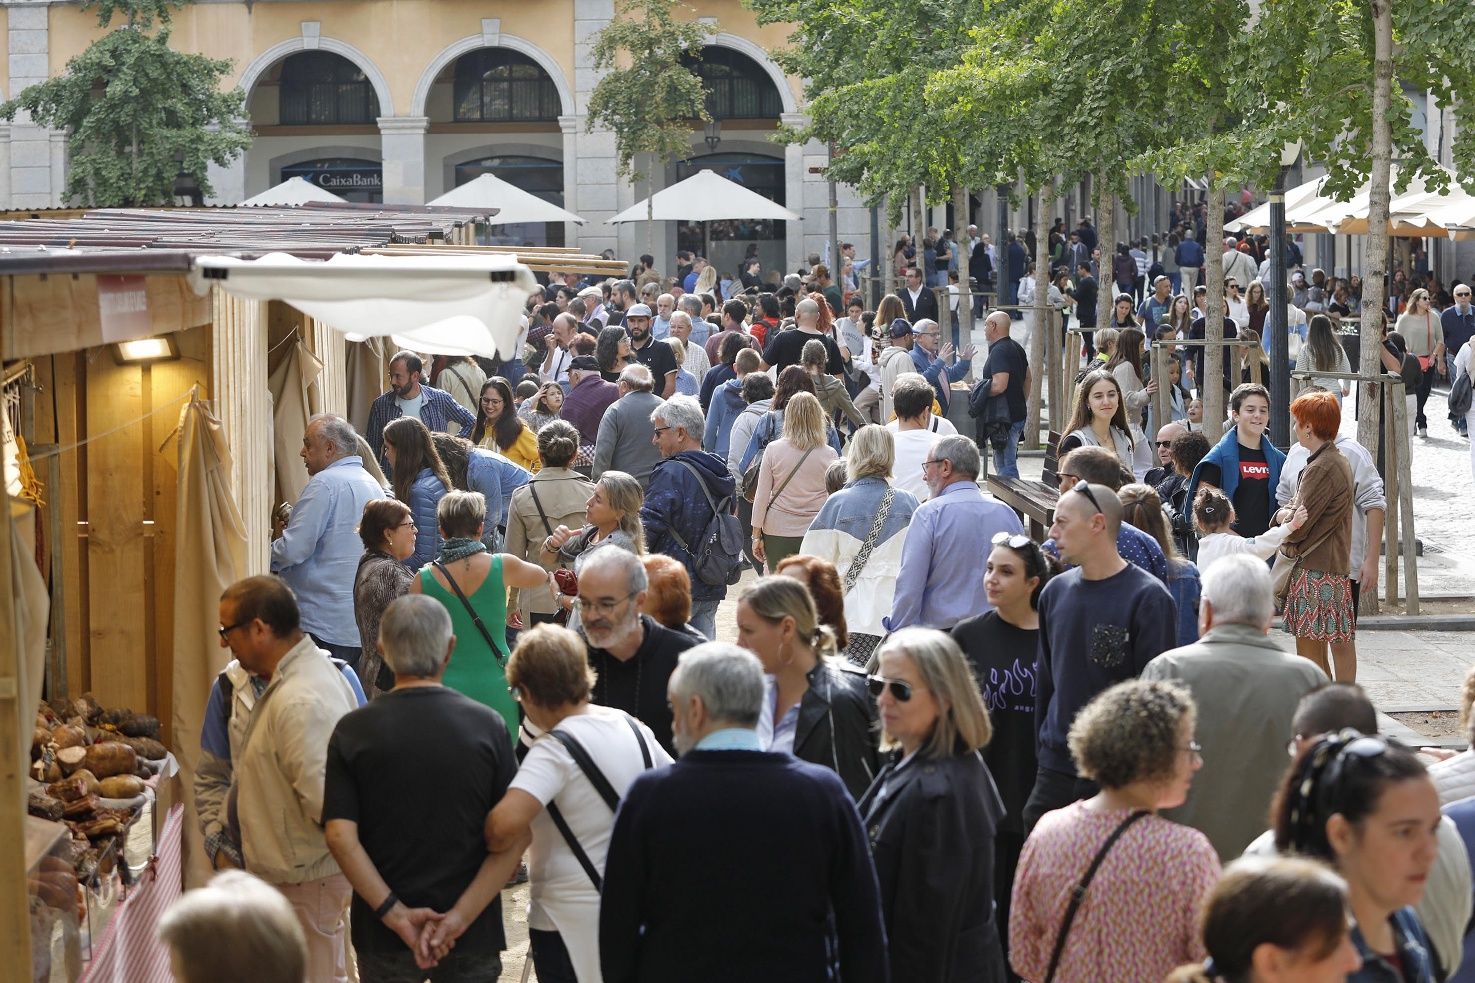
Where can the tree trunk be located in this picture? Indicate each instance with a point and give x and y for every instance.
(884, 251)
(919, 224)
(650, 213)
(1211, 386)
(1106, 242)
(1042, 323)
(1375, 244)
(965, 294)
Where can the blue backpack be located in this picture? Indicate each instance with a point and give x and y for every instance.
(717, 555)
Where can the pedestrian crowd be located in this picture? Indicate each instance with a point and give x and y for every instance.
(934, 748)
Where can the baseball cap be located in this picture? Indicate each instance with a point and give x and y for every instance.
(900, 328)
(585, 363)
(638, 310)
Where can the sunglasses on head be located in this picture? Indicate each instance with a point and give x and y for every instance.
(1085, 489)
(899, 690)
(1014, 541)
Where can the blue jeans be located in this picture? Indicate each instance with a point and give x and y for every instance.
(704, 617)
(1006, 461)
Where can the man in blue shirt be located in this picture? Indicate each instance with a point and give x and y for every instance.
(318, 553)
(407, 396)
(1459, 327)
(941, 580)
(931, 356)
(698, 263)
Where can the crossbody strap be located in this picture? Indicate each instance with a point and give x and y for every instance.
(475, 618)
(1078, 893)
(538, 504)
(780, 489)
(601, 785)
(711, 502)
(852, 573)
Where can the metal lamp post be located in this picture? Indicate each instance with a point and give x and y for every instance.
(1280, 344)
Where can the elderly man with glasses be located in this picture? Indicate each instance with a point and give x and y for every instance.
(941, 577)
(1101, 623)
(1458, 324)
(632, 655)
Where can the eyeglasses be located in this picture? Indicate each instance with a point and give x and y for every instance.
(408, 522)
(1160, 444)
(1194, 747)
(516, 693)
(1014, 542)
(227, 629)
(932, 461)
(1085, 489)
(1462, 293)
(899, 690)
(604, 606)
(660, 430)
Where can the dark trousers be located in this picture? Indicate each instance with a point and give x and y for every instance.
(550, 957)
(1007, 847)
(1425, 384)
(348, 653)
(1054, 790)
(456, 967)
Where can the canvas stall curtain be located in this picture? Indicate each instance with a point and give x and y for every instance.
(296, 396)
(210, 555)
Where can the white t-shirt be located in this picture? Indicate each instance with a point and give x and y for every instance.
(912, 447)
(549, 773)
(411, 407)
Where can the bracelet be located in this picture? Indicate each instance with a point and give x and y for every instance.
(384, 909)
(546, 547)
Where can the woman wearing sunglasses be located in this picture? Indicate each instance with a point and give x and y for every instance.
(931, 814)
(1000, 647)
(1145, 876)
(818, 709)
(1368, 808)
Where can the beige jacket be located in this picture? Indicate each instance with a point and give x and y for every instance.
(563, 494)
(279, 775)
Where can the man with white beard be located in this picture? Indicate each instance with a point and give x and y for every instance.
(631, 654)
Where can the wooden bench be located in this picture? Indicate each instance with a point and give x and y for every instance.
(1034, 500)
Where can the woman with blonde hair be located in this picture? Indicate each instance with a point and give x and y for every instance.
(866, 514)
(932, 813)
(1423, 333)
(791, 481)
(707, 284)
(817, 708)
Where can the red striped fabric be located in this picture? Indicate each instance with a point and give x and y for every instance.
(128, 951)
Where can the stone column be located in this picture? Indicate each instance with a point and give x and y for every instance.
(402, 139)
(595, 189)
(794, 178)
(29, 42)
(570, 127)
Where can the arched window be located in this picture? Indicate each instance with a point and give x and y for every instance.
(319, 88)
(737, 86)
(495, 85)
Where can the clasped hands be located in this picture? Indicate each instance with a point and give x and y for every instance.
(428, 933)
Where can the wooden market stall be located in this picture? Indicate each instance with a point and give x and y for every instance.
(115, 370)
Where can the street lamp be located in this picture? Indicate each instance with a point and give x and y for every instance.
(1280, 342)
(713, 133)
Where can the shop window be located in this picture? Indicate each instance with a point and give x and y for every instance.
(737, 86)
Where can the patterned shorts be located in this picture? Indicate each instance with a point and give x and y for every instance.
(1319, 605)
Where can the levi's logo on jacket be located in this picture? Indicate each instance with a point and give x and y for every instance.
(1254, 471)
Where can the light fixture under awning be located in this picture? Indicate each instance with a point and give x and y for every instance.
(451, 305)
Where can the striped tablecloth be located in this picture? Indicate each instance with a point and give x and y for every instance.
(128, 951)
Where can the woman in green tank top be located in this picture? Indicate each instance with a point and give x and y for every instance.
(472, 585)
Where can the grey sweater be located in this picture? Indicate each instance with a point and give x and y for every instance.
(624, 440)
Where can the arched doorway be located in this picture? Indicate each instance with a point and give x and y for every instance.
(316, 114)
(745, 107)
(495, 110)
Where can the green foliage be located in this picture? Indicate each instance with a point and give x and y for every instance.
(137, 13)
(138, 113)
(648, 98)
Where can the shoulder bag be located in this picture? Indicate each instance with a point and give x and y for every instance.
(1280, 573)
(475, 618)
(561, 616)
(1078, 893)
(857, 565)
(601, 785)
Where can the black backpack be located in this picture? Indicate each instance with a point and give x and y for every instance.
(717, 555)
(1460, 397)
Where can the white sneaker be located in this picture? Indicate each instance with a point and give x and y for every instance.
(1423, 431)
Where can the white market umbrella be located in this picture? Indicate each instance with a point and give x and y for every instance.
(514, 206)
(704, 197)
(453, 305)
(1258, 219)
(291, 192)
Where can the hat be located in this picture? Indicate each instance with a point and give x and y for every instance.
(638, 310)
(900, 328)
(591, 292)
(585, 363)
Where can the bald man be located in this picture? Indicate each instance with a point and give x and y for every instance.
(1163, 445)
(1005, 380)
(1101, 623)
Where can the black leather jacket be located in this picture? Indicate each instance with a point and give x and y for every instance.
(837, 725)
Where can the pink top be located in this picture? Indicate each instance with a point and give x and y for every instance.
(1138, 920)
(792, 512)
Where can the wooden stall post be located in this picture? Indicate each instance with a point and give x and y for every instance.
(1392, 484)
(1162, 404)
(240, 392)
(1050, 383)
(1405, 501)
